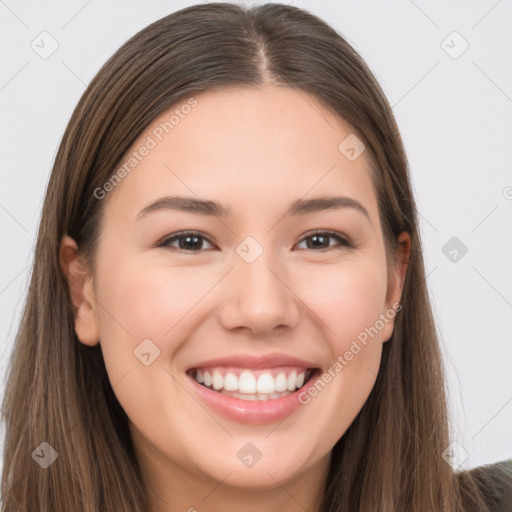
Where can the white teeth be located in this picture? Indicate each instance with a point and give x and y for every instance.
(247, 383)
(252, 398)
(231, 382)
(263, 387)
(218, 381)
(265, 383)
(281, 383)
(292, 381)
(255, 397)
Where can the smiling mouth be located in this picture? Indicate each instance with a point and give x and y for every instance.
(254, 385)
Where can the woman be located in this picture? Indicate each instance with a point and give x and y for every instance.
(192, 340)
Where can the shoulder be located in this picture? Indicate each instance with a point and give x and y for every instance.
(495, 481)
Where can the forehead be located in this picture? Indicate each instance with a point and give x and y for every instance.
(248, 147)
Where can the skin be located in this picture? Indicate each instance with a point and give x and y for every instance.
(256, 151)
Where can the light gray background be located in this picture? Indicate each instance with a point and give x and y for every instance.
(455, 116)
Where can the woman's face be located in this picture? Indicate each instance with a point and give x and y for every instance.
(253, 297)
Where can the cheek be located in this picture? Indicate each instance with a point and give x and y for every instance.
(141, 302)
(149, 301)
(348, 298)
(144, 301)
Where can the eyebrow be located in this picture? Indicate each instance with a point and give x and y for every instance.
(211, 208)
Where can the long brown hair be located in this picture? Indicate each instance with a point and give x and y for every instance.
(58, 392)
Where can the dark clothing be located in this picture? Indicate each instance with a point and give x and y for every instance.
(498, 492)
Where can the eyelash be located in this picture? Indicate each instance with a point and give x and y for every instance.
(342, 241)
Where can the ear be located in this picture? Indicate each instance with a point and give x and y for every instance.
(81, 291)
(396, 283)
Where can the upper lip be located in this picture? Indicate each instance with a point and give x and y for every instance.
(255, 362)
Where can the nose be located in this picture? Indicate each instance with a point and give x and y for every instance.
(259, 297)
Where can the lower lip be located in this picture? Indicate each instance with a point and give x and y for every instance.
(258, 412)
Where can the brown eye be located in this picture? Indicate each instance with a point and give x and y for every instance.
(320, 240)
(189, 241)
(192, 241)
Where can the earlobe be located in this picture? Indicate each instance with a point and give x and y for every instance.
(81, 292)
(396, 284)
